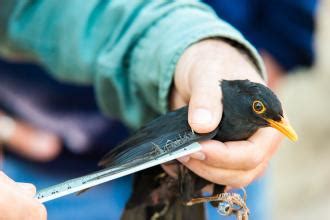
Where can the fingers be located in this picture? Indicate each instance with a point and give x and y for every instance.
(29, 189)
(242, 155)
(233, 178)
(17, 202)
(236, 163)
(32, 143)
(239, 155)
(269, 136)
(171, 169)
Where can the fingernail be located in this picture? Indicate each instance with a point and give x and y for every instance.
(202, 116)
(184, 159)
(198, 156)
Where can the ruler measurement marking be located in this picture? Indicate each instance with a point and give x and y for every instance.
(102, 176)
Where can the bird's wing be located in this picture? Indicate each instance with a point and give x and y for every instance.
(162, 135)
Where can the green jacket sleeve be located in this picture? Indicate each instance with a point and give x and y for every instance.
(127, 49)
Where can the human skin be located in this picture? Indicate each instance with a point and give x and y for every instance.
(34, 144)
(17, 202)
(196, 82)
(31, 142)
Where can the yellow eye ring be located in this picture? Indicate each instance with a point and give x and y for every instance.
(258, 107)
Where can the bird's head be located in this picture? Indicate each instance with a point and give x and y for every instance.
(255, 103)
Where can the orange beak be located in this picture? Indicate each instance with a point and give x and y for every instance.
(284, 127)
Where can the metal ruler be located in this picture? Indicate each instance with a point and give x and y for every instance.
(105, 175)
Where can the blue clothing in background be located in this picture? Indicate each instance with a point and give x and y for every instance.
(283, 28)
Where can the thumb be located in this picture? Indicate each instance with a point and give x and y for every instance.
(205, 106)
(28, 189)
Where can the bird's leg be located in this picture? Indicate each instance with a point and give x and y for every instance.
(241, 215)
(202, 200)
(229, 204)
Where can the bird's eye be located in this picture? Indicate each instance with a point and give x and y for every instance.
(258, 107)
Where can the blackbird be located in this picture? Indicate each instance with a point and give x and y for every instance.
(247, 106)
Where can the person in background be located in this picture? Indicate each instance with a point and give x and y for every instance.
(282, 30)
(58, 126)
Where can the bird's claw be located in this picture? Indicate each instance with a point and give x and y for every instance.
(229, 204)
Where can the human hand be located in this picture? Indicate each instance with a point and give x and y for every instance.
(196, 83)
(28, 141)
(17, 202)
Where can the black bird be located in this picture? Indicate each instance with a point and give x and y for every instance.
(247, 106)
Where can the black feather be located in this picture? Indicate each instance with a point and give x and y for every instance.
(153, 190)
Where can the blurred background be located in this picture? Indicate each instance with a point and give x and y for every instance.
(301, 171)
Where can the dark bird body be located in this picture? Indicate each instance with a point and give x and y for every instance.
(248, 106)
